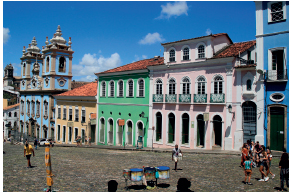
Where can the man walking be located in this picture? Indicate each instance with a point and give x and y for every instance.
(35, 144)
(175, 155)
(27, 152)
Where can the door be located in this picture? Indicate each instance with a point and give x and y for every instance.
(277, 128)
(158, 126)
(185, 128)
(200, 130)
(129, 133)
(93, 133)
(70, 134)
(249, 110)
(120, 135)
(217, 128)
(110, 131)
(171, 129)
(102, 130)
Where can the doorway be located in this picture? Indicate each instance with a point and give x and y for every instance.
(249, 109)
(185, 128)
(277, 128)
(171, 128)
(129, 133)
(200, 131)
(110, 131)
(217, 129)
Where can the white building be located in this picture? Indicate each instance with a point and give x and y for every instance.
(10, 116)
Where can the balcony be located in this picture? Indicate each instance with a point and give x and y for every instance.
(158, 98)
(217, 98)
(185, 98)
(200, 98)
(277, 75)
(171, 98)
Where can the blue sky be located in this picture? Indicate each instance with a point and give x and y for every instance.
(110, 34)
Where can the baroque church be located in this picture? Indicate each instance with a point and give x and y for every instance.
(44, 73)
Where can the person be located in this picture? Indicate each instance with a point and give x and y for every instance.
(263, 161)
(175, 155)
(35, 144)
(77, 140)
(112, 186)
(89, 141)
(27, 152)
(85, 140)
(284, 170)
(244, 154)
(183, 185)
(257, 151)
(269, 162)
(248, 170)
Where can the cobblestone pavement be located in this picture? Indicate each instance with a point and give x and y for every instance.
(89, 170)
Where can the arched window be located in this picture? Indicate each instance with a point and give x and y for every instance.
(120, 88)
(45, 108)
(15, 114)
(249, 85)
(47, 64)
(32, 107)
(102, 130)
(186, 53)
(130, 88)
(62, 64)
(201, 85)
(103, 93)
(9, 114)
(37, 108)
(28, 107)
(141, 88)
(186, 86)
(172, 86)
(23, 69)
(218, 83)
(172, 55)
(111, 89)
(159, 87)
(201, 52)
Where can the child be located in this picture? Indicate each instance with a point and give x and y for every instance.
(270, 159)
(284, 172)
(248, 170)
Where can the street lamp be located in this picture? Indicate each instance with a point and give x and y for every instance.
(230, 110)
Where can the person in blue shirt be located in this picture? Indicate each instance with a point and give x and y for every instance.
(248, 170)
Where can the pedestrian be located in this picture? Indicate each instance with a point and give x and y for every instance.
(85, 140)
(257, 151)
(284, 170)
(175, 154)
(248, 170)
(244, 154)
(112, 186)
(77, 141)
(269, 162)
(89, 141)
(27, 152)
(183, 185)
(263, 161)
(35, 144)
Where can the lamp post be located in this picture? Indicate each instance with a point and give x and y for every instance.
(230, 110)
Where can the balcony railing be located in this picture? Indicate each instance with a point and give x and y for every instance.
(171, 98)
(158, 98)
(217, 98)
(277, 75)
(185, 98)
(200, 98)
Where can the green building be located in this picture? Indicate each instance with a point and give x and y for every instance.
(123, 104)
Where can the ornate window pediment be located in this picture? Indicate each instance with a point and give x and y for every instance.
(62, 81)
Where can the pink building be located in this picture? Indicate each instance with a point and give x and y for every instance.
(197, 96)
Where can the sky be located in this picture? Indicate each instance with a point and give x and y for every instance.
(106, 34)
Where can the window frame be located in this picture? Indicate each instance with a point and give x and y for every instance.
(83, 116)
(182, 53)
(59, 112)
(76, 119)
(64, 112)
(120, 88)
(187, 86)
(110, 92)
(159, 86)
(270, 11)
(173, 88)
(139, 90)
(70, 118)
(103, 89)
(199, 83)
(128, 88)
(214, 81)
(172, 58)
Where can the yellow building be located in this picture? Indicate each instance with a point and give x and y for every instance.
(76, 114)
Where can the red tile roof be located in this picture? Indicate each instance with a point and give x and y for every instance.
(139, 65)
(93, 116)
(214, 35)
(76, 84)
(11, 106)
(246, 66)
(234, 49)
(86, 90)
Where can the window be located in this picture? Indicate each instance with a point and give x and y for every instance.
(47, 64)
(38, 108)
(201, 52)
(76, 133)
(277, 60)
(59, 132)
(70, 113)
(120, 88)
(103, 87)
(277, 97)
(130, 88)
(28, 107)
(111, 84)
(9, 114)
(159, 87)
(186, 53)
(64, 112)
(172, 86)
(76, 114)
(276, 11)
(64, 133)
(62, 64)
(201, 85)
(59, 112)
(218, 82)
(15, 114)
(141, 88)
(249, 85)
(45, 108)
(186, 86)
(83, 114)
(32, 107)
(172, 55)
(23, 69)
(22, 106)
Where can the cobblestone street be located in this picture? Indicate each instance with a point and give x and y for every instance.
(89, 170)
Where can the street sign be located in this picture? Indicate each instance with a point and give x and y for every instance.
(206, 116)
(192, 124)
(121, 122)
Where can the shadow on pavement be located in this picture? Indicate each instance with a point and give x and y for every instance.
(137, 187)
(163, 185)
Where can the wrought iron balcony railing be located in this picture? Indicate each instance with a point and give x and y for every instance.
(200, 98)
(158, 97)
(171, 98)
(217, 98)
(185, 98)
(277, 75)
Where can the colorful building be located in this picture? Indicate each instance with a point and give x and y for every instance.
(11, 117)
(124, 114)
(76, 114)
(43, 75)
(272, 36)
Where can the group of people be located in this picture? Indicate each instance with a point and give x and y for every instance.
(79, 139)
(256, 155)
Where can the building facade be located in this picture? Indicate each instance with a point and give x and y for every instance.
(11, 117)
(272, 35)
(74, 114)
(43, 75)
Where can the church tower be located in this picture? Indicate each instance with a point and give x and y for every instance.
(8, 75)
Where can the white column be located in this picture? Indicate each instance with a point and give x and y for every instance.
(238, 134)
(150, 116)
(228, 139)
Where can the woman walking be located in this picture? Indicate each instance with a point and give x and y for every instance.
(244, 154)
(284, 170)
(264, 164)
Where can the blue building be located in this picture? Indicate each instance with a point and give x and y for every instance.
(43, 75)
(272, 36)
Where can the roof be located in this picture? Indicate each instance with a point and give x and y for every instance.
(11, 106)
(233, 50)
(246, 66)
(86, 90)
(76, 84)
(214, 35)
(93, 116)
(138, 65)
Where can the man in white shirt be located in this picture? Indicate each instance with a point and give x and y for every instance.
(175, 155)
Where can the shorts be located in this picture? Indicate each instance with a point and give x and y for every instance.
(28, 156)
(248, 172)
(263, 163)
(176, 159)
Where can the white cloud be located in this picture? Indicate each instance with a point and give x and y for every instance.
(6, 35)
(87, 78)
(144, 56)
(91, 64)
(208, 31)
(173, 9)
(151, 38)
